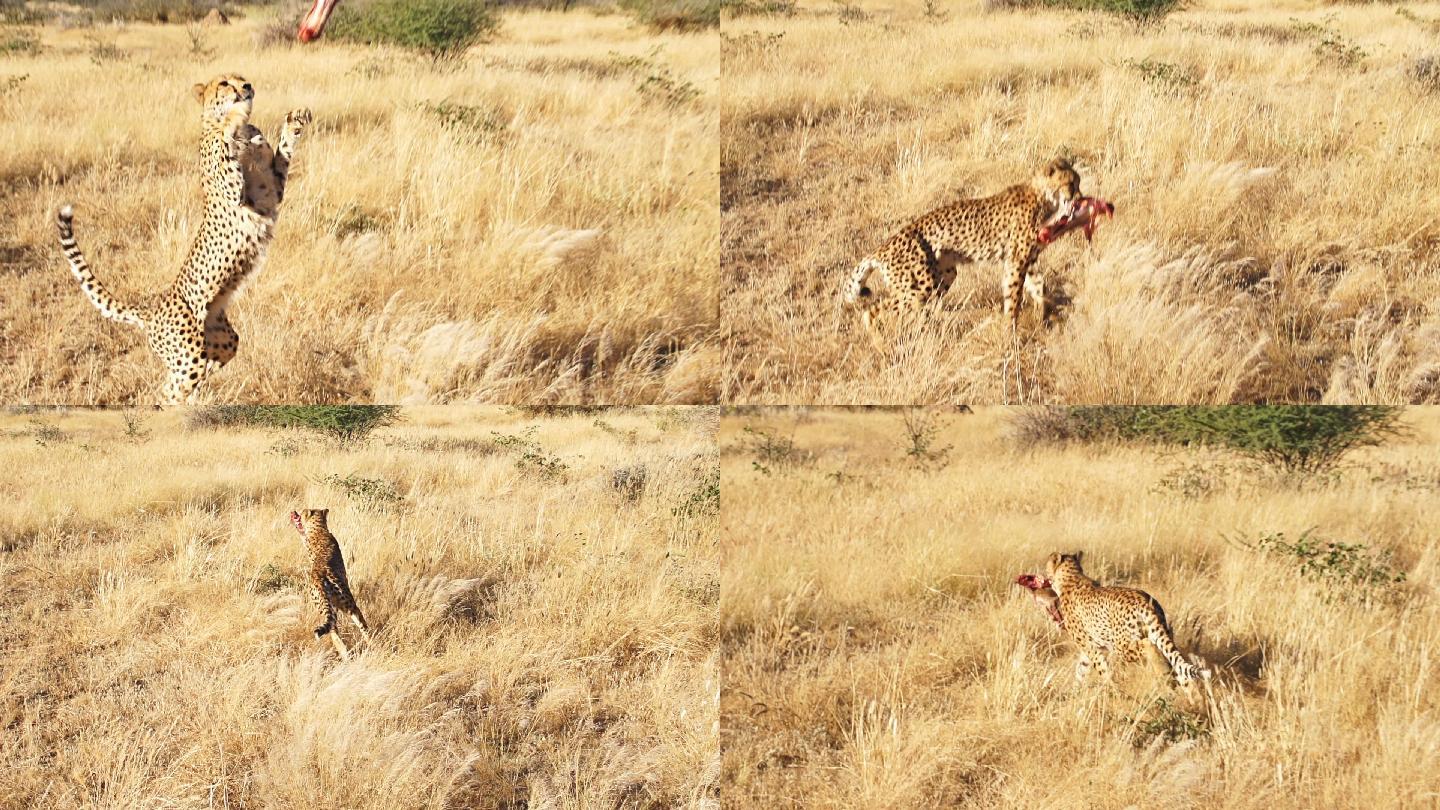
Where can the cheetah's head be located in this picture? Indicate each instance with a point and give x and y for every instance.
(1059, 183)
(223, 94)
(1060, 566)
(308, 517)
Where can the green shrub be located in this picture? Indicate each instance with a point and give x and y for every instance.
(370, 493)
(1299, 439)
(103, 51)
(1425, 72)
(675, 15)
(1348, 571)
(1429, 24)
(354, 220)
(1162, 720)
(1085, 423)
(46, 434)
(1136, 10)
(1167, 77)
(10, 84)
(922, 430)
(90, 12)
(705, 499)
(630, 481)
(20, 42)
(1330, 45)
(270, 579)
(440, 28)
(748, 43)
(530, 457)
(1194, 481)
(738, 8)
(135, 429)
(478, 123)
(628, 437)
(848, 12)
(773, 452)
(558, 411)
(342, 422)
(657, 82)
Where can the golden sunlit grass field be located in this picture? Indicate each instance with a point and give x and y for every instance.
(537, 642)
(534, 224)
(876, 653)
(1272, 165)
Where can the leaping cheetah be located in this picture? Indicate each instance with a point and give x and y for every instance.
(243, 181)
(329, 588)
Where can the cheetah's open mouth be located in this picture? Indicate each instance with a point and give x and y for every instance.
(313, 25)
(295, 521)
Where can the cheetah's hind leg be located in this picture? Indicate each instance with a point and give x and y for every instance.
(339, 643)
(359, 621)
(870, 319)
(184, 376)
(221, 342)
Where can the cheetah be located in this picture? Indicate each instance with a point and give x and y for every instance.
(918, 263)
(243, 180)
(1106, 619)
(329, 589)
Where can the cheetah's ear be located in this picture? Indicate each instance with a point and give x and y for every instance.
(1077, 555)
(198, 91)
(323, 512)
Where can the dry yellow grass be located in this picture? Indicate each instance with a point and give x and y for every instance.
(566, 251)
(535, 644)
(876, 653)
(1275, 237)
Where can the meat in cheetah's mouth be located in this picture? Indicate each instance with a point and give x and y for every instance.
(296, 522)
(1044, 594)
(1032, 581)
(1085, 214)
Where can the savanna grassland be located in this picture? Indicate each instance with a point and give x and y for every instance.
(534, 222)
(877, 654)
(1271, 164)
(541, 592)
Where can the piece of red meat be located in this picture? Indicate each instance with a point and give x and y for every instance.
(1044, 595)
(1086, 215)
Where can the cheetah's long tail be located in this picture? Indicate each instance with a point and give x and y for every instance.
(857, 287)
(94, 290)
(1158, 631)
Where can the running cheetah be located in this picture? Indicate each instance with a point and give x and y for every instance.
(329, 589)
(918, 263)
(243, 181)
(1101, 620)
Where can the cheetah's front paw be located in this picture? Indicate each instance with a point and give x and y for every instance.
(297, 120)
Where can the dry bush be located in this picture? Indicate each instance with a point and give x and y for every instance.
(504, 227)
(877, 654)
(534, 644)
(1268, 244)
